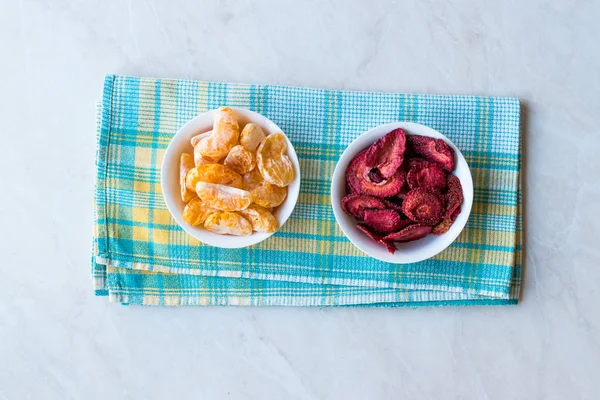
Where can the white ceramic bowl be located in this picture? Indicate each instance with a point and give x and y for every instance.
(408, 252)
(170, 178)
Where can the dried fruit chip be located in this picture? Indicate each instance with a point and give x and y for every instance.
(196, 138)
(377, 238)
(375, 176)
(401, 195)
(430, 176)
(389, 245)
(446, 223)
(252, 179)
(393, 203)
(274, 165)
(228, 223)
(418, 162)
(261, 219)
(268, 195)
(186, 163)
(442, 227)
(223, 198)
(349, 189)
(196, 212)
(241, 160)
(408, 153)
(387, 153)
(356, 204)
(214, 173)
(357, 178)
(454, 196)
(434, 150)
(423, 207)
(410, 233)
(455, 214)
(384, 221)
(199, 159)
(251, 137)
(225, 135)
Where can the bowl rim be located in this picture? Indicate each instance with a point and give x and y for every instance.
(434, 244)
(170, 162)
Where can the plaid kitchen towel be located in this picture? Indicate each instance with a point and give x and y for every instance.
(141, 256)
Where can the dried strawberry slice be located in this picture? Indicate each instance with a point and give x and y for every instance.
(408, 153)
(446, 223)
(402, 193)
(377, 238)
(356, 204)
(375, 176)
(418, 162)
(454, 196)
(387, 153)
(393, 203)
(357, 177)
(423, 207)
(434, 150)
(430, 176)
(410, 233)
(384, 221)
(389, 245)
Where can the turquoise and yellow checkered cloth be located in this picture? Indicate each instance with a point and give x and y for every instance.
(141, 256)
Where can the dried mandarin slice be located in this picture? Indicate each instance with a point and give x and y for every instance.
(196, 212)
(251, 137)
(223, 198)
(225, 135)
(228, 223)
(200, 159)
(240, 160)
(268, 195)
(260, 218)
(196, 138)
(186, 164)
(220, 174)
(214, 173)
(274, 165)
(252, 179)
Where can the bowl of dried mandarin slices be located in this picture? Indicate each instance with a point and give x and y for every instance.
(230, 177)
(402, 192)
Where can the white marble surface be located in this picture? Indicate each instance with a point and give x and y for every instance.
(58, 341)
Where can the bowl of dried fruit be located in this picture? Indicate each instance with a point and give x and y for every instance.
(402, 192)
(230, 177)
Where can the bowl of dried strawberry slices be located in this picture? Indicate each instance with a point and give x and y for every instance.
(402, 192)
